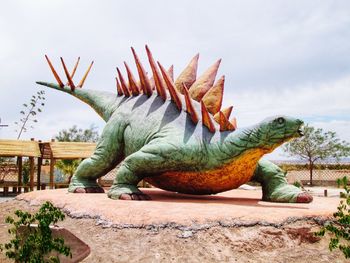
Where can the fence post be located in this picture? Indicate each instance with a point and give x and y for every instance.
(52, 167)
(31, 171)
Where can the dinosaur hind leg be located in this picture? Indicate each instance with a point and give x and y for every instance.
(145, 162)
(275, 187)
(107, 155)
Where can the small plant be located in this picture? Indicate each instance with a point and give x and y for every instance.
(26, 172)
(31, 244)
(339, 228)
(29, 112)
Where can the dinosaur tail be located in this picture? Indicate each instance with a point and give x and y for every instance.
(101, 102)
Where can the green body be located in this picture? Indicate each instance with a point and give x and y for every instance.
(151, 138)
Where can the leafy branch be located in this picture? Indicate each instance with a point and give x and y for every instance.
(34, 244)
(30, 111)
(339, 229)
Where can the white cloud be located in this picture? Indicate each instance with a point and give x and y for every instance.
(289, 57)
(307, 101)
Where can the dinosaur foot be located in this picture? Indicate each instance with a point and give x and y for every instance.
(88, 190)
(304, 198)
(126, 192)
(134, 197)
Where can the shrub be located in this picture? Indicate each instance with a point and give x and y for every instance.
(339, 228)
(34, 244)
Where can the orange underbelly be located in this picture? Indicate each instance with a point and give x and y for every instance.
(227, 177)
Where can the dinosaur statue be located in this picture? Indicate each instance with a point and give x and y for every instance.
(174, 135)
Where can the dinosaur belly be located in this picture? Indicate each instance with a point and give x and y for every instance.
(226, 177)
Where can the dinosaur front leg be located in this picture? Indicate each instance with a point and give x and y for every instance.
(275, 187)
(108, 154)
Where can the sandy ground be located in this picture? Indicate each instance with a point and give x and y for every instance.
(232, 227)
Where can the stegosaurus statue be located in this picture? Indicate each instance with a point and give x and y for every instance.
(174, 135)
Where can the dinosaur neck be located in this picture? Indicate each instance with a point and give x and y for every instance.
(101, 102)
(244, 140)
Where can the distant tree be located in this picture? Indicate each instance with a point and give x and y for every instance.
(29, 112)
(317, 145)
(74, 134)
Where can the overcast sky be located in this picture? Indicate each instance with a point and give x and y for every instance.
(279, 57)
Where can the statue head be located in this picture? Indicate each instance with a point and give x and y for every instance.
(274, 131)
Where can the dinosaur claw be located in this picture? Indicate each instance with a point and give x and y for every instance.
(89, 190)
(136, 197)
(304, 198)
(125, 197)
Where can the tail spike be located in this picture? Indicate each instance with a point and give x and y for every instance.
(132, 82)
(206, 120)
(75, 68)
(81, 83)
(173, 93)
(204, 82)
(59, 81)
(213, 98)
(225, 125)
(226, 112)
(156, 75)
(70, 81)
(188, 75)
(123, 84)
(119, 88)
(189, 105)
(144, 81)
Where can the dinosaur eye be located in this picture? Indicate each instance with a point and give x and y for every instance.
(280, 120)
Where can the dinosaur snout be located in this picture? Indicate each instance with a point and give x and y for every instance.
(300, 130)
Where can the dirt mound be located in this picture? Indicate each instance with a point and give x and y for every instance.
(290, 241)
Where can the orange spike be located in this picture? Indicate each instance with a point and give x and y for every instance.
(151, 81)
(60, 83)
(226, 111)
(123, 84)
(173, 93)
(70, 81)
(225, 125)
(234, 123)
(213, 98)
(144, 81)
(171, 72)
(156, 75)
(188, 75)
(75, 68)
(206, 120)
(204, 82)
(189, 106)
(81, 83)
(132, 82)
(119, 88)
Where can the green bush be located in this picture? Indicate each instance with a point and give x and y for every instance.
(339, 228)
(34, 244)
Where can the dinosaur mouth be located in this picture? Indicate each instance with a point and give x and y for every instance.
(301, 131)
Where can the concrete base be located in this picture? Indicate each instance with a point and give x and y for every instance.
(234, 207)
